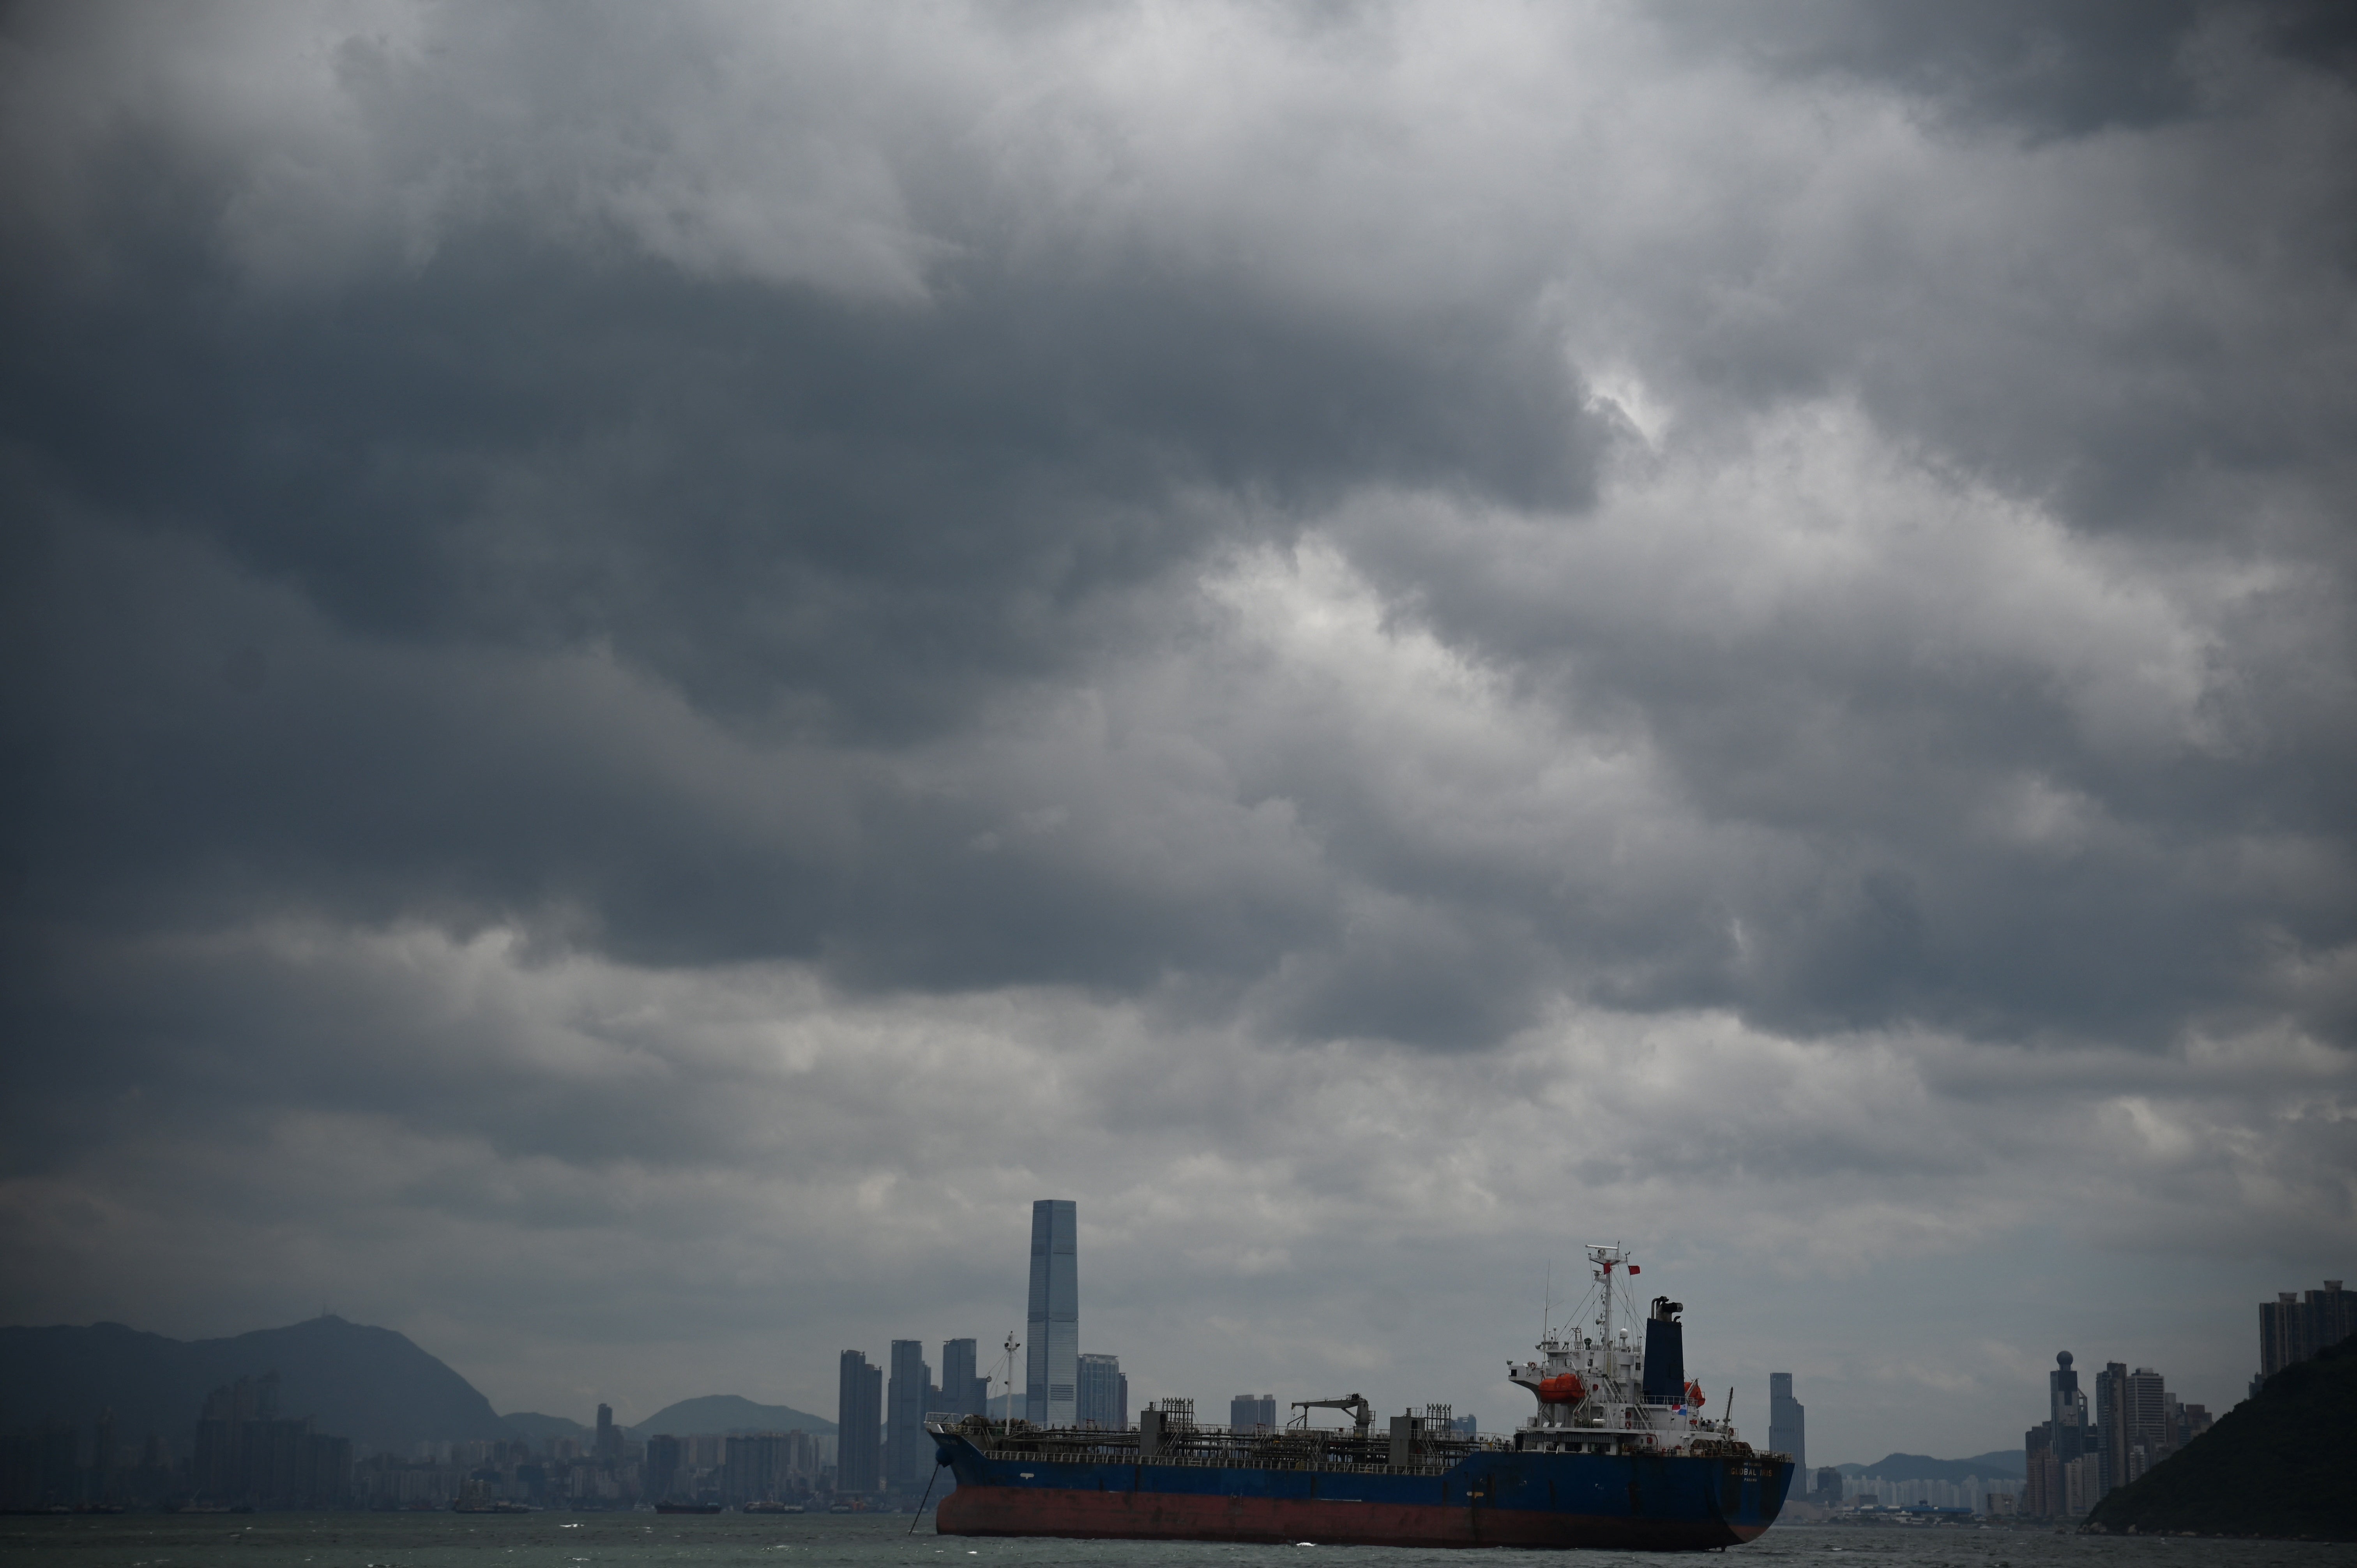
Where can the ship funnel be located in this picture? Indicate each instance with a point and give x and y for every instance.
(1666, 1353)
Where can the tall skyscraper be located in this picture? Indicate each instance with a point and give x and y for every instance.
(958, 1380)
(610, 1438)
(1052, 1363)
(1788, 1429)
(858, 1420)
(907, 1452)
(1248, 1410)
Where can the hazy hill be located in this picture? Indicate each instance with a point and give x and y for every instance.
(2283, 1464)
(371, 1385)
(727, 1413)
(541, 1428)
(2007, 1461)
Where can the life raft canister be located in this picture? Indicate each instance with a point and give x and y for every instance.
(1563, 1389)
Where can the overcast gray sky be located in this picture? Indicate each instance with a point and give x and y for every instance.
(660, 662)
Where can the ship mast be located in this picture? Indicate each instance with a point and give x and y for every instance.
(1604, 1258)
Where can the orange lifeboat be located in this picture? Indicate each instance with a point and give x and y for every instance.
(1563, 1389)
(1694, 1395)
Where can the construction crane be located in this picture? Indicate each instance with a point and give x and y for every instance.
(1357, 1404)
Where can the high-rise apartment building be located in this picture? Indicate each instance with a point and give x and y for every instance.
(246, 1453)
(1246, 1411)
(1051, 1365)
(764, 1466)
(858, 1422)
(1788, 1431)
(610, 1438)
(2112, 1424)
(661, 1475)
(2082, 1485)
(1103, 1398)
(907, 1452)
(2149, 1437)
(958, 1380)
(2291, 1329)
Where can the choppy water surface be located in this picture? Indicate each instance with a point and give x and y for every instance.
(823, 1541)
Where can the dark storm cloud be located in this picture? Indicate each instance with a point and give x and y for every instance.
(869, 515)
(826, 520)
(553, 569)
(2057, 70)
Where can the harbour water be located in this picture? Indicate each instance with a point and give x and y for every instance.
(882, 1541)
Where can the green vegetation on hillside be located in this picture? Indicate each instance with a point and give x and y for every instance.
(2282, 1465)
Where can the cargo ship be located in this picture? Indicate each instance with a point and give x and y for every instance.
(1620, 1453)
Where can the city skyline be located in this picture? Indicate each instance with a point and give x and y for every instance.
(2309, 1313)
(2094, 1440)
(665, 660)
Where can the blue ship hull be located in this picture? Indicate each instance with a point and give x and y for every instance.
(1490, 1497)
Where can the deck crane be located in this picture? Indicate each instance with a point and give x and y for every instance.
(1363, 1413)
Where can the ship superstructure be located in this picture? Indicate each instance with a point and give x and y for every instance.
(1609, 1393)
(1620, 1453)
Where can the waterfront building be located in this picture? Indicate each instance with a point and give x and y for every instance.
(1787, 1421)
(764, 1466)
(2291, 1329)
(662, 1467)
(858, 1421)
(1103, 1397)
(1246, 1411)
(609, 1437)
(2112, 1439)
(2083, 1480)
(247, 1455)
(907, 1452)
(2067, 1409)
(1051, 1365)
(2148, 1420)
(960, 1395)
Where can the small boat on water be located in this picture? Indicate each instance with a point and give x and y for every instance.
(687, 1508)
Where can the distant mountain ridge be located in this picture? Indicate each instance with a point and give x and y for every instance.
(2012, 1463)
(541, 1428)
(714, 1414)
(372, 1385)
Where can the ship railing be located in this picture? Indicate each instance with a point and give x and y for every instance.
(1323, 1449)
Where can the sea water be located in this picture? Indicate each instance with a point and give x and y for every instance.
(882, 1541)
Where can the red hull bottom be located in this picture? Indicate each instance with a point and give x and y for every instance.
(1166, 1516)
